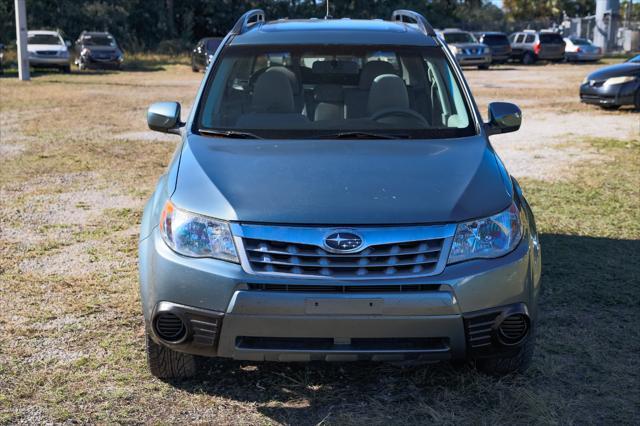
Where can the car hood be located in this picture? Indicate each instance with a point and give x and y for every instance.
(626, 68)
(46, 47)
(468, 45)
(344, 182)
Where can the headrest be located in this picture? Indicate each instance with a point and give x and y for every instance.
(272, 93)
(334, 67)
(290, 75)
(371, 70)
(328, 93)
(388, 91)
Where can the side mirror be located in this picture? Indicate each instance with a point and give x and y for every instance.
(504, 117)
(164, 117)
(67, 43)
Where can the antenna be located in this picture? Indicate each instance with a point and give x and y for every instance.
(328, 15)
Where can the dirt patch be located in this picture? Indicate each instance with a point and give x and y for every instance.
(549, 146)
(77, 260)
(149, 135)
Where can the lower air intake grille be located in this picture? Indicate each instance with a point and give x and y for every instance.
(350, 288)
(479, 330)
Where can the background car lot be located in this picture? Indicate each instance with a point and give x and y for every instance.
(71, 334)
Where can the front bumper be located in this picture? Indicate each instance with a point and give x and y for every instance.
(259, 317)
(471, 60)
(48, 61)
(616, 95)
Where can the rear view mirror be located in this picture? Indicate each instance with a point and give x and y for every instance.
(504, 117)
(164, 117)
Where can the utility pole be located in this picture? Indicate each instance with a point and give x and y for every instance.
(21, 40)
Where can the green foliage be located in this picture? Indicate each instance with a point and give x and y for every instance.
(171, 26)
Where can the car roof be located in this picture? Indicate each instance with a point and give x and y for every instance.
(43, 32)
(491, 33)
(95, 33)
(333, 31)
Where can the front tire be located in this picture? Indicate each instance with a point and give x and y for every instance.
(165, 363)
(66, 69)
(484, 67)
(516, 362)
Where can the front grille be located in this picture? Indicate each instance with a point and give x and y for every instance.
(46, 52)
(383, 260)
(350, 288)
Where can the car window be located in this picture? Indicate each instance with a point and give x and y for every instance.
(307, 91)
(520, 38)
(530, 38)
(580, 41)
(551, 38)
(459, 38)
(44, 39)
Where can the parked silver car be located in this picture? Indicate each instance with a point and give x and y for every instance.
(47, 49)
(580, 49)
(467, 49)
(336, 200)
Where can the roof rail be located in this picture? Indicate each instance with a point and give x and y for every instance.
(247, 20)
(411, 17)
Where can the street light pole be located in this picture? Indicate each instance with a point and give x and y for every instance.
(21, 39)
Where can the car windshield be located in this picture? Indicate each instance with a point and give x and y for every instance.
(580, 41)
(459, 38)
(316, 91)
(99, 40)
(44, 39)
(495, 40)
(635, 59)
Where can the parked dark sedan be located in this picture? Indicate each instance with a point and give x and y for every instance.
(202, 52)
(499, 45)
(97, 50)
(613, 86)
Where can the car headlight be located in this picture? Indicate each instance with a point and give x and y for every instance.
(490, 237)
(618, 80)
(454, 50)
(194, 235)
(586, 80)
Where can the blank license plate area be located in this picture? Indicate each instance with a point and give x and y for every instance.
(328, 306)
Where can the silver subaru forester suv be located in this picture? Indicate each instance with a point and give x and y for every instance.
(335, 197)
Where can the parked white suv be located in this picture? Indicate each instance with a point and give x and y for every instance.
(47, 49)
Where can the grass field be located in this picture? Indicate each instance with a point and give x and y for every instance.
(77, 164)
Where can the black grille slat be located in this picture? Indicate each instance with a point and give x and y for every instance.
(351, 288)
(382, 260)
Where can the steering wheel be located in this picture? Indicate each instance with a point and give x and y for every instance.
(398, 112)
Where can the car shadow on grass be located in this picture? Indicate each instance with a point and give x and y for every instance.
(587, 282)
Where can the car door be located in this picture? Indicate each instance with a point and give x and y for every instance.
(551, 46)
(516, 45)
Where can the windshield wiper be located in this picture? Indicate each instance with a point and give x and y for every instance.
(230, 134)
(359, 135)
